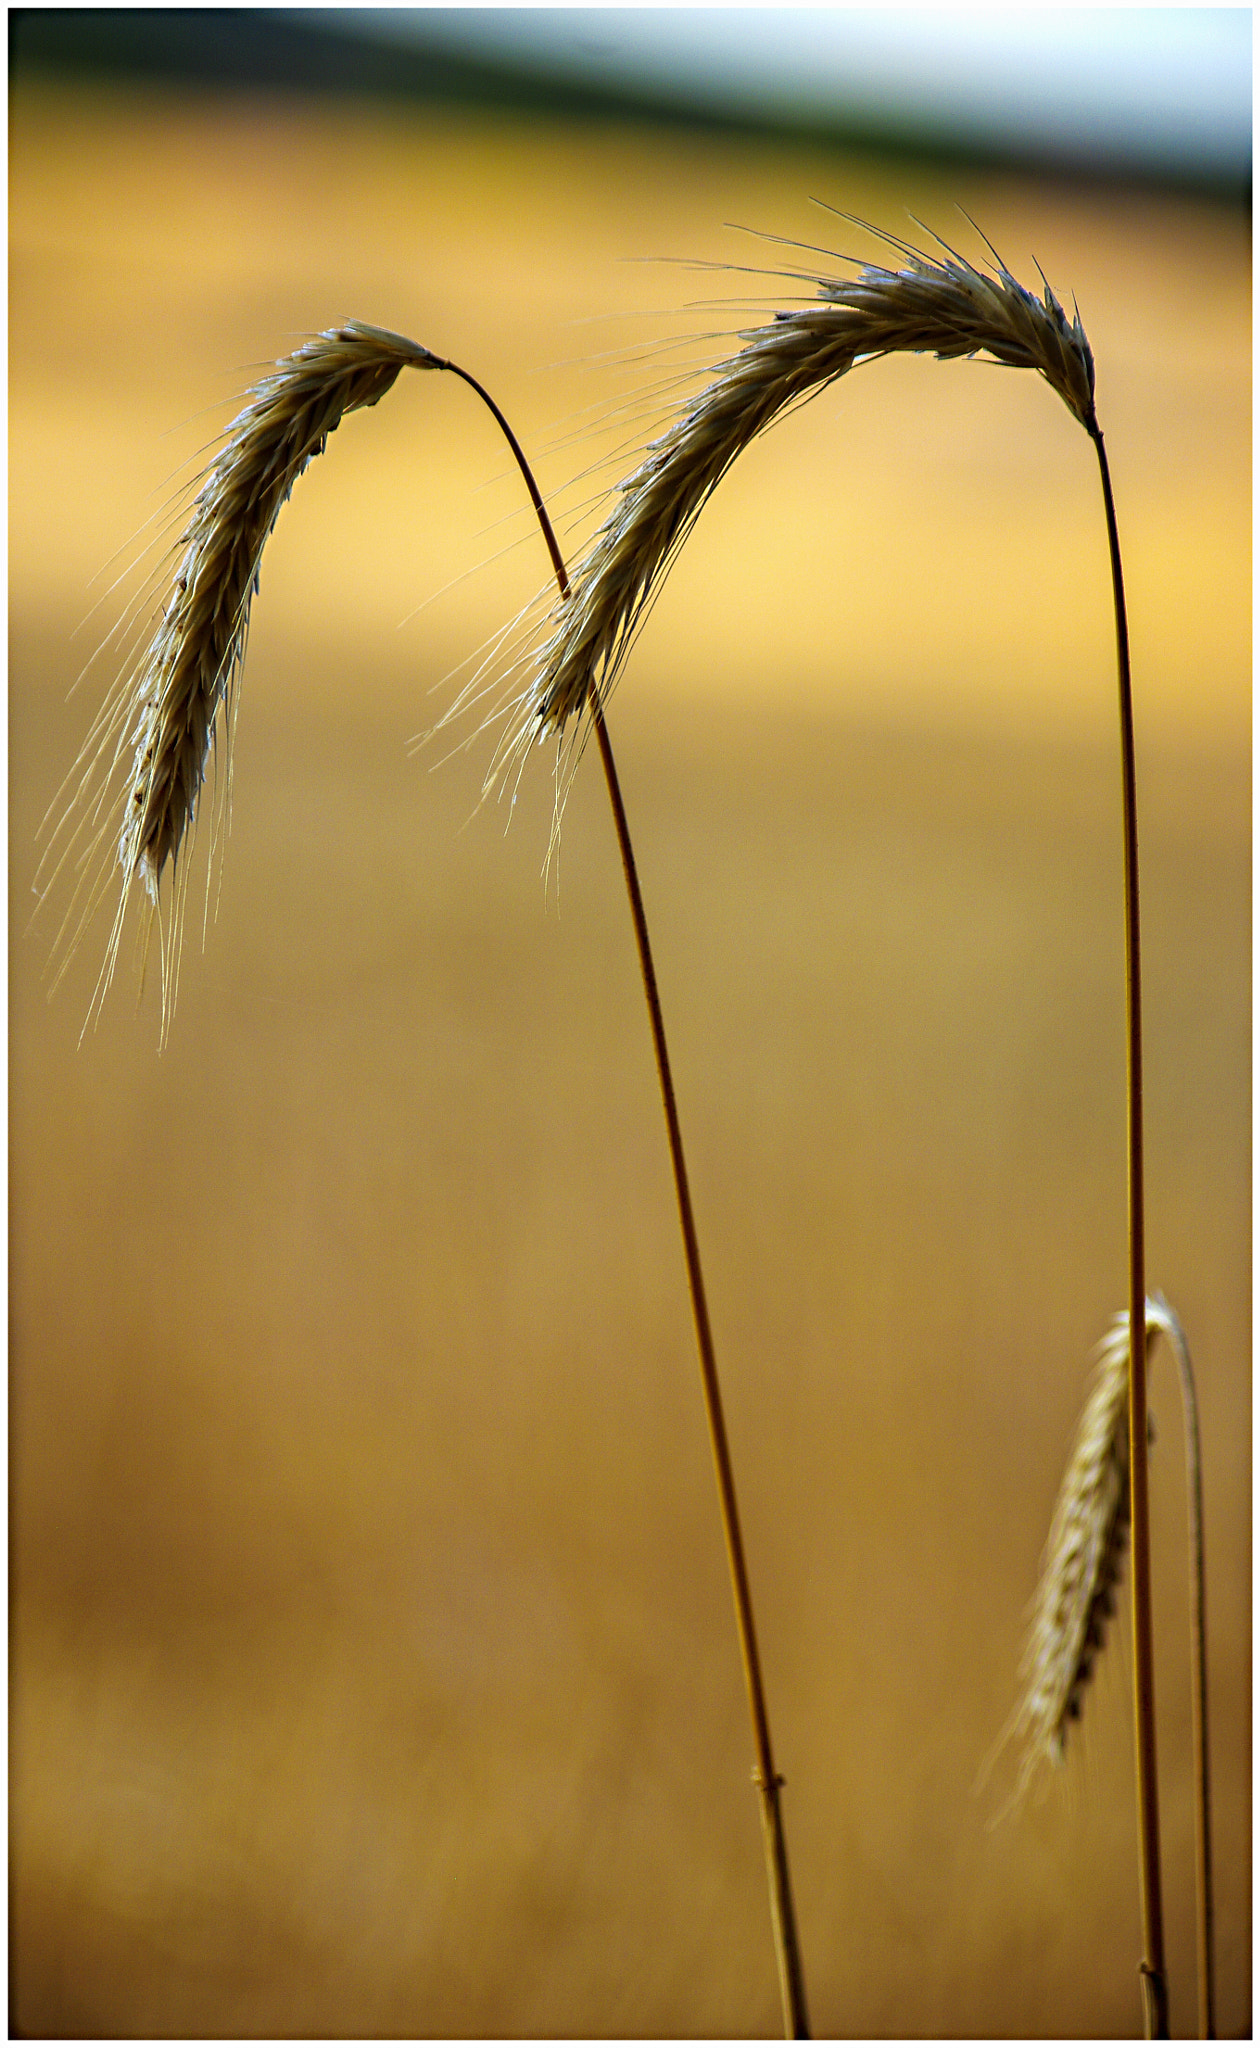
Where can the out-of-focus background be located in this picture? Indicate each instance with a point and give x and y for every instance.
(373, 1663)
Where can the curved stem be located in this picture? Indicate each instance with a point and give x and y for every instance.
(769, 1783)
(1154, 1980)
(535, 495)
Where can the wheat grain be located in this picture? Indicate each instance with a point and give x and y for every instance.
(947, 307)
(166, 710)
(1075, 1598)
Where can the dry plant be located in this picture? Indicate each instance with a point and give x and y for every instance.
(167, 708)
(945, 306)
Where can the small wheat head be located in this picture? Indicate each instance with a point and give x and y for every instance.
(1084, 1553)
(165, 711)
(942, 306)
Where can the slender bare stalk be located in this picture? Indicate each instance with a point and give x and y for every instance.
(769, 1783)
(1160, 1316)
(1152, 1968)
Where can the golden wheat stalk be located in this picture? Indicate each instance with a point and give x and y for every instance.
(948, 308)
(166, 710)
(1204, 1910)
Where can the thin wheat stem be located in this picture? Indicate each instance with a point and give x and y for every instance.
(1204, 1916)
(769, 1783)
(1199, 1704)
(1154, 1980)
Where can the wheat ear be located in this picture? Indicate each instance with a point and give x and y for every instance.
(1076, 1593)
(948, 308)
(166, 711)
(1075, 1597)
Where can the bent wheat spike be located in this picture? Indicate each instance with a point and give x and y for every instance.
(167, 709)
(196, 653)
(1076, 1595)
(1088, 1533)
(946, 307)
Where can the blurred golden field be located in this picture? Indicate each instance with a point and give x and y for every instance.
(373, 1665)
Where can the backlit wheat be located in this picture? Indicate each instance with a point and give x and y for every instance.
(1083, 1556)
(167, 709)
(946, 307)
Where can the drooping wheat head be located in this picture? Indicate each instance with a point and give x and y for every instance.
(1083, 1557)
(165, 711)
(944, 306)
